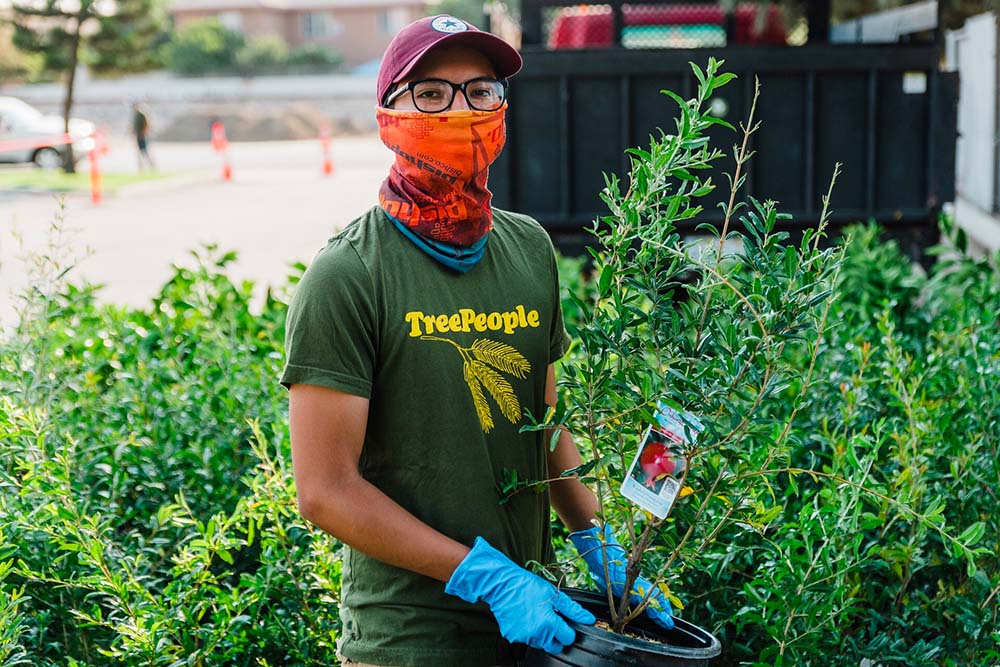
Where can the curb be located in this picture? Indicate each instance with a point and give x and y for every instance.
(136, 189)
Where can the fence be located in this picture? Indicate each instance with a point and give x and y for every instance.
(885, 111)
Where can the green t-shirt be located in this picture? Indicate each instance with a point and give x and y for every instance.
(451, 364)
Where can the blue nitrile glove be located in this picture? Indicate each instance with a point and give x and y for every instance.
(524, 605)
(588, 544)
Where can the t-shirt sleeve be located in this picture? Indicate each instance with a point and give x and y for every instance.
(330, 333)
(559, 339)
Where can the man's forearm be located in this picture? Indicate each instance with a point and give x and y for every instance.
(364, 518)
(575, 504)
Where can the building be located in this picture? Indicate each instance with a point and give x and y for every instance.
(972, 51)
(359, 30)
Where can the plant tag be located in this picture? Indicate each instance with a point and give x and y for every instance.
(654, 478)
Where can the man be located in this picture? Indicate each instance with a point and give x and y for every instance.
(417, 341)
(140, 128)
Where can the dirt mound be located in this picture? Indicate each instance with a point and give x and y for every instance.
(295, 122)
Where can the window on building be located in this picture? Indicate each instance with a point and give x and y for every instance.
(232, 20)
(320, 24)
(392, 20)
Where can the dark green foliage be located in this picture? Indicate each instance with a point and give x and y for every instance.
(262, 53)
(53, 45)
(125, 41)
(15, 65)
(904, 417)
(206, 46)
(701, 328)
(841, 497)
(901, 398)
(314, 57)
(203, 46)
(915, 373)
(112, 37)
(147, 502)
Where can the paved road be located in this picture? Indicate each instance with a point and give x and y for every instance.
(278, 209)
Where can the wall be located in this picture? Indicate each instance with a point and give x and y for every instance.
(972, 51)
(347, 101)
(362, 32)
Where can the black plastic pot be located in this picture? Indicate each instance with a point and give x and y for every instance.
(686, 645)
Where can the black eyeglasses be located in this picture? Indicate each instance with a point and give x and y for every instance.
(437, 95)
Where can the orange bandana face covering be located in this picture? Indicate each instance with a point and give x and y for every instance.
(437, 186)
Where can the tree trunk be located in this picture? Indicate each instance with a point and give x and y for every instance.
(69, 163)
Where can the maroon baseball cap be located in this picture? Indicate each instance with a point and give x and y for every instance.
(412, 43)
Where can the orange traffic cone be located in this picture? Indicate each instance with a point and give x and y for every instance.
(100, 148)
(324, 139)
(96, 195)
(221, 145)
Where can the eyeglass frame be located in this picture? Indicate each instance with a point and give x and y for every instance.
(455, 87)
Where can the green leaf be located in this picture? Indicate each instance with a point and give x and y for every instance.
(722, 79)
(698, 74)
(251, 530)
(971, 535)
(580, 470)
(677, 98)
(607, 274)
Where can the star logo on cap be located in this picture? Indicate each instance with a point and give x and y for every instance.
(449, 24)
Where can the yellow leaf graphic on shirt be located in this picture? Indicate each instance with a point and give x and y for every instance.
(499, 389)
(478, 398)
(481, 367)
(501, 356)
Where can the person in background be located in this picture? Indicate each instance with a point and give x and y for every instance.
(417, 342)
(140, 128)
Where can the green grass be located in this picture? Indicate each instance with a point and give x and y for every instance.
(58, 181)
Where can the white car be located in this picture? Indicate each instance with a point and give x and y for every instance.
(27, 135)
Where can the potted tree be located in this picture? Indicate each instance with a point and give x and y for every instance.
(691, 363)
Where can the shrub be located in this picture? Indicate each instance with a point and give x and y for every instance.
(314, 57)
(802, 491)
(903, 403)
(263, 53)
(148, 511)
(147, 515)
(732, 337)
(13, 623)
(912, 372)
(16, 65)
(203, 46)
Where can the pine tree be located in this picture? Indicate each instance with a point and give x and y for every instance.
(112, 35)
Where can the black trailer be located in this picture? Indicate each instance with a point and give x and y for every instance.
(885, 111)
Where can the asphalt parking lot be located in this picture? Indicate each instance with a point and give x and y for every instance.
(278, 209)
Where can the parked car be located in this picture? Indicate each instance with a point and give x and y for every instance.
(657, 26)
(28, 135)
